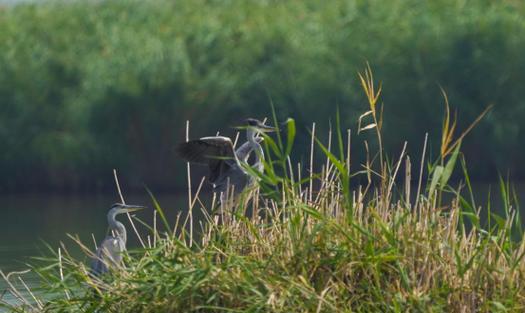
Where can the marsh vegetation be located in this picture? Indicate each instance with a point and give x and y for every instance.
(309, 240)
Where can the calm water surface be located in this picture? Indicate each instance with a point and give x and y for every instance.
(27, 221)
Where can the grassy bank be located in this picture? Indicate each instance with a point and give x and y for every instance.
(87, 86)
(307, 242)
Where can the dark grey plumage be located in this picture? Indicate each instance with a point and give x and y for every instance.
(224, 164)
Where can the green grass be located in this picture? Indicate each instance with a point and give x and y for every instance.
(317, 243)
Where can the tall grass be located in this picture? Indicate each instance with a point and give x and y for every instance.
(308, 240)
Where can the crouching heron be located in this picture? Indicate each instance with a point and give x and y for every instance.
(226, 172)
(109, 252)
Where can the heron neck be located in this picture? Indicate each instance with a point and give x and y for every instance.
(259, 152)
(116, 226)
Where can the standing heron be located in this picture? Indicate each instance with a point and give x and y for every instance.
(224, 163)
(109, 253)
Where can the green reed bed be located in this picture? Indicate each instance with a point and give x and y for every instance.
(307, 240)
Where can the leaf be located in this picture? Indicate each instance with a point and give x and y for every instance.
(449, 168)
(365, 114)
(361, 119)
(159, 209)
(271, 143)
(474, 219)
(309, 210)
(499, 306)
(459, 264)
(504, 190)
(499, 220)
(278, 134)
(438, 171)
(270, 178)
(370, 126)
(338, 164)
(290, 123)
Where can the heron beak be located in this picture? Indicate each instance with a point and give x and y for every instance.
(133, 208)
(266, 129)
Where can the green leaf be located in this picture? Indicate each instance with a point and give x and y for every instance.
(338, 164)
(308, 210)
(474, 219)
(459, 263)
(499, 307)
(438, 171)
(271, 178)
(276, 122)
(504, 190)
(499, 220)
(290, 123)
(159, 210)
(449, 168)
(271, 143)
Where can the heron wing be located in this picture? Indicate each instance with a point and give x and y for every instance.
(108, 254)
(216, 152)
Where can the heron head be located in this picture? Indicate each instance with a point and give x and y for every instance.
(258, 126)
(119, 208)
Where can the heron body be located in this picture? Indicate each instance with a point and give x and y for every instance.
(109, 252)
(226, 171)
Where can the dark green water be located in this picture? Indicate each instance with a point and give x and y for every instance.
(29, 220)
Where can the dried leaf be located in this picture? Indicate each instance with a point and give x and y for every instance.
(370, 126)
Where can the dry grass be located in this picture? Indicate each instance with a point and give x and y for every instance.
(316, 244)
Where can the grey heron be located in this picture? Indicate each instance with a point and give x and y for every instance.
(109, 252)
(224, 163)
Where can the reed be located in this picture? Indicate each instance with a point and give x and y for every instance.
(317, 242)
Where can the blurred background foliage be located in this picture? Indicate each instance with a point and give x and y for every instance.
(88, 86)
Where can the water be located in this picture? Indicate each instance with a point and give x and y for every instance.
(27, 221)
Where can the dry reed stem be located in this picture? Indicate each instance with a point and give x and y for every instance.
(188, 169)
(127, 213)
(62, 271)
(14, 291)
(310, 190)
(421, 170)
